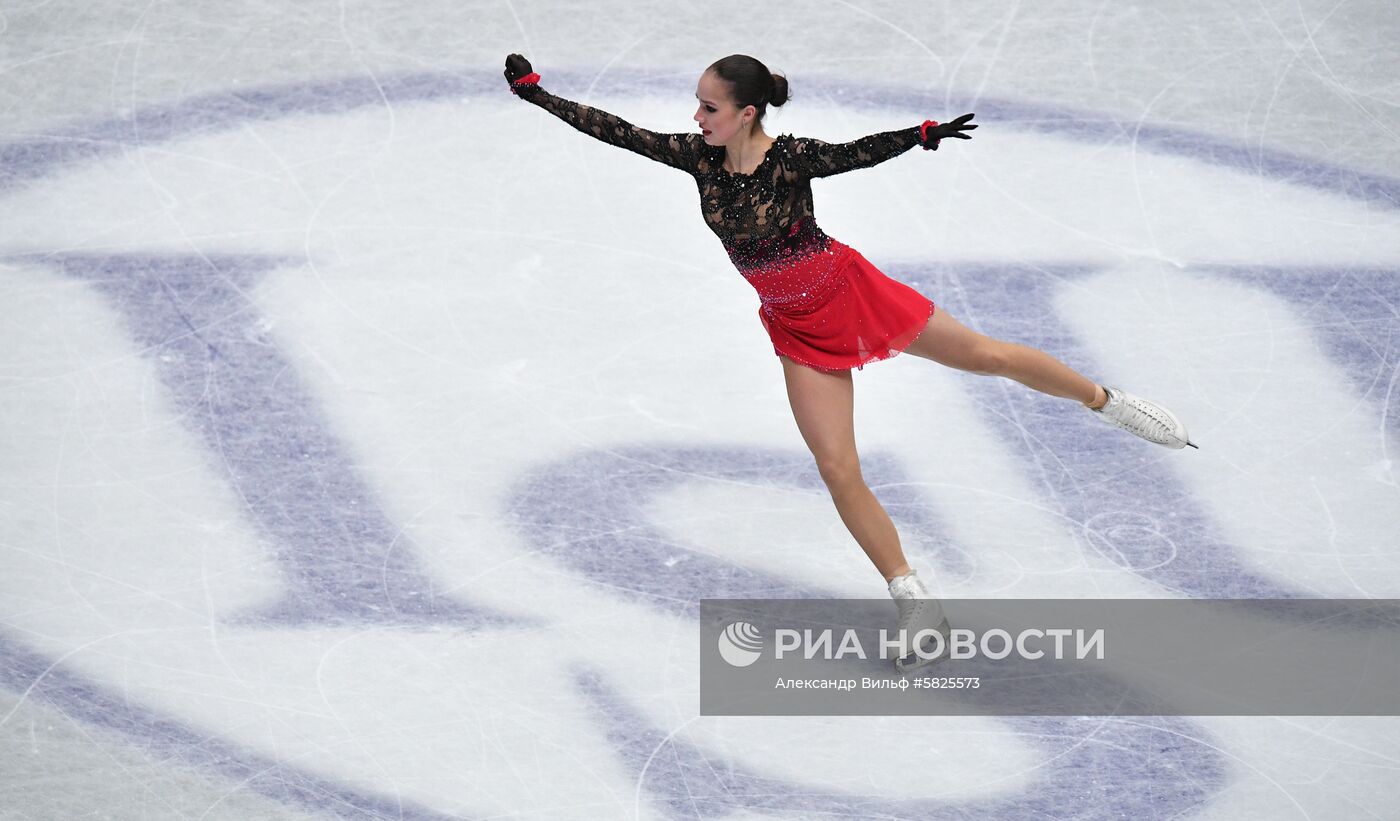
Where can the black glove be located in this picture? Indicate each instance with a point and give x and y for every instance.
(517, 66)
(954, 129)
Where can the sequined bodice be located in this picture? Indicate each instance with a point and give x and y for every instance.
(763, 218)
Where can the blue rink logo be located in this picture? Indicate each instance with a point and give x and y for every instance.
(341, 580)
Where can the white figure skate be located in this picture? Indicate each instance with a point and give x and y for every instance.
(918, 610)
(1143, 418)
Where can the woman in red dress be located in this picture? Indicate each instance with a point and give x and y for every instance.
(825, 307)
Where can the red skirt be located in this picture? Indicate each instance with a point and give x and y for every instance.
(834, 311)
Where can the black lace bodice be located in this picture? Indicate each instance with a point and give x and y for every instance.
(759, 217)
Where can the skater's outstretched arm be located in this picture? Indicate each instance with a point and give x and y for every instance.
(814, 158)
(676, 150)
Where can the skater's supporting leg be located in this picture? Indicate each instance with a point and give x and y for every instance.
(823, 405)
(949, 342)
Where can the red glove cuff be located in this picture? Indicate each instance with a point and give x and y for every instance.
(533, 78)
(923, 134)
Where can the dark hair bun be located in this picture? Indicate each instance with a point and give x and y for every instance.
(751, 83)
(780, 90)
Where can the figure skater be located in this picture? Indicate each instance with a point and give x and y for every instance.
(825, 307)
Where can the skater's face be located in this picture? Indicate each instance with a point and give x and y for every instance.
(719, 118)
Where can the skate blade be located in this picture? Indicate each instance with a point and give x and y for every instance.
(915, 661)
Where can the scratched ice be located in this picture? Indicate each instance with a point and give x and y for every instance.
(370, 436)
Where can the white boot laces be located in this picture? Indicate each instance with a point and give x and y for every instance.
(1140, 419)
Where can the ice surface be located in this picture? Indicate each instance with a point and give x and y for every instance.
(369, 435)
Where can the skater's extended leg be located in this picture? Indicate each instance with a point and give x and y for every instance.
(824, 405)
(948, 342)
